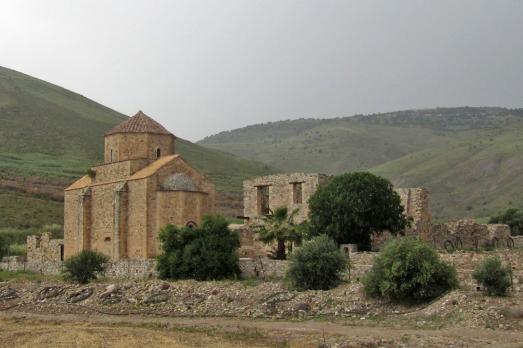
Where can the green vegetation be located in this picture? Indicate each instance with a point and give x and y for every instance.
(466, 157)
(22, 276)
(208, 252)
(85, 266)
(4, 246)
(409, 270)
(317, 265)
(512, 217)
(53, 135)
(279, 227)
(495, 277)
(351, 207)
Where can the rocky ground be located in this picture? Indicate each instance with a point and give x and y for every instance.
(272, 302)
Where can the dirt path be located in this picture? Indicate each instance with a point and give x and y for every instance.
(264, 333)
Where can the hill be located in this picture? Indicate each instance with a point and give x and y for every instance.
(469, 158)
(49, 136)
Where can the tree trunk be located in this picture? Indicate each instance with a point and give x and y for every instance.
(280, 253)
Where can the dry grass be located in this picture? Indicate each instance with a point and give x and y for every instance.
(31, 333)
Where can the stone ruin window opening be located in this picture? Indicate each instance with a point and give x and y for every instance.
(297, 192)
(107, 239)
(263, 200)
(191, 224)
(37, 242)
(61, 252)
(112, 156)
(158, 153)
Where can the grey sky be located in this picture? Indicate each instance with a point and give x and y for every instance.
(201, 67)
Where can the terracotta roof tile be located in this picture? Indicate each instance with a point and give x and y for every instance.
(139, 123)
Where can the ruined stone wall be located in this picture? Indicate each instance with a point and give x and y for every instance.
(43, 248)
(250, 246)
(281, 193)
(467, 233)
(415, 202)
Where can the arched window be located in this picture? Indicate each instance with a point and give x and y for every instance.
(191, 224)
(112, 157)
(158, 153)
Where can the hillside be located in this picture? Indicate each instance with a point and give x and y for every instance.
(49, 136)
(471, 159)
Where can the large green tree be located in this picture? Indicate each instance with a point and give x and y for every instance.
(512, 217)
(279, 227)
(207, 252)
(353, 206)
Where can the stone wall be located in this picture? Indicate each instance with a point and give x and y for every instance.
(284, 190)
(468, 234)
(250, 246)
(43, 248)
(268, 269)
(415, 202)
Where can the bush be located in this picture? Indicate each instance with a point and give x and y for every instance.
(351, 207)
(208, 252)
(4, 245)
(409, 270)
(317, 265)
(512, 217)
(495, 277)
(85, 266)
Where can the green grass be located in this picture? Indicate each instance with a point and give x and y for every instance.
(21, 276)
(55, 135)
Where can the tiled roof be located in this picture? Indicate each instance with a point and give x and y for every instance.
(139, 123)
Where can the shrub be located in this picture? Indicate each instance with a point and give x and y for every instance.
(208, 252)
(409, 270)
(317, 265)
(495, 277)
(85, 266)
(4, 245)
(351, 207)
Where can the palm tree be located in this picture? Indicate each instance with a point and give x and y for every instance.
(279, 226)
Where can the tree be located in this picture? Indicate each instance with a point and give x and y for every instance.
(512, 217)
(317, 264)
(408, 269)
(85, 266)
(280, 227)
(208, 252)
(495, 277)
(353, 206)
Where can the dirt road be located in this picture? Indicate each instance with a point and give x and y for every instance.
(65, 330)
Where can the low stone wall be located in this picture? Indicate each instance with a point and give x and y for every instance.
(263, 268)
(268, 269)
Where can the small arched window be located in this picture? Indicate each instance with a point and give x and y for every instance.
(191, 224)
(112, 157)
(158, 153)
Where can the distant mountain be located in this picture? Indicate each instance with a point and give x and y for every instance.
(471, 159)
(49, 136)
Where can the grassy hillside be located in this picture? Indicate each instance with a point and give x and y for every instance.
(470, 158)
(54, 135)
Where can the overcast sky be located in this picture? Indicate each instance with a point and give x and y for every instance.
(201, 67)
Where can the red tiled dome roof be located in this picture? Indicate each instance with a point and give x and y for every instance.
(139, 123)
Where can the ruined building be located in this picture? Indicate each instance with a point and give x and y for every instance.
(43, 248)
(266, 193)
(121, 205)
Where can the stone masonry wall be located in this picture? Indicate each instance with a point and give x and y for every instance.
(43, 248)
(281, 193)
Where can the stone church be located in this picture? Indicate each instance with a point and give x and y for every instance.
(143, 185)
